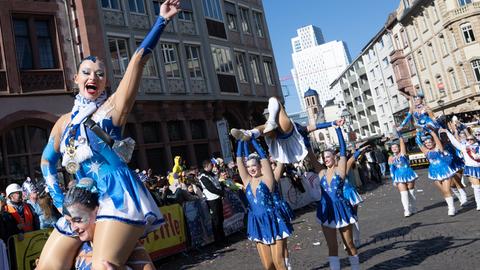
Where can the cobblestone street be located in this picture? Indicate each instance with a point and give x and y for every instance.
(427, 240)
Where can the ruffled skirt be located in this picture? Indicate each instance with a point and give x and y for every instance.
(266, 228)
(404, 175)
(335, 213)
(350, 193)
(287, 148)
(472, 171)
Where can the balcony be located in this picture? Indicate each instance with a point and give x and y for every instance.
(395, 55)
(41, 80)
(404, 84)
(462, 12)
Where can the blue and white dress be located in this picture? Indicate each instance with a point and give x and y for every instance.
(282, 208)
(334, 210)
(122, 196)
(439, 168)
(457, 162)
(264, 225)
(400, 170)
(350, 192)
(287, 148)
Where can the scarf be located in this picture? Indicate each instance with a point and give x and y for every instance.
(82, 109)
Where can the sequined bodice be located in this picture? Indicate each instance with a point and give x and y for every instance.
(262, 201)
(400, 162)
(334, 190)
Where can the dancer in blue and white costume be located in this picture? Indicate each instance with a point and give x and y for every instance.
(422, 115)
(439, 170)
(264, 226)
(403, 176)
(471, 154)
(126, 211)
(334, 212)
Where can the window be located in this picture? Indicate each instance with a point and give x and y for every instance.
(432, 95)
(244, 20)
(440, 85)
(255, 69)
(198, 129)
(476, 69)
(150, 69)
(453, 81)
(432, 52)
(212, 9)
(421, 59)
(118, 54)
(424, 21)
(467, 31)
(397, 42)
(376, 91)
(185, 15)
(389, 81)
(382, 110)
(175, 131)
(372, 74)
(404, 38)
(258, 21)
(170, 59)
(241, 67)
(231, 16)
(453, 39)
(222, 60)
(193, 61)
(414, 31)
(136, 6)
(268, 66)
(395, 99)
(444, 45)
(152, 132)
(435, 12)
(464, 2)
(406, 4)
(110, 4)
(381, 44)
(385, 62)
(34, 42)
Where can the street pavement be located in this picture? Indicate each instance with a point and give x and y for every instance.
(427, 240)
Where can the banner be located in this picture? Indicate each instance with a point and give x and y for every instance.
(233, 212)
(292, 195)
(170, 238)
(28, 248)
(199, 223)
(224, 138)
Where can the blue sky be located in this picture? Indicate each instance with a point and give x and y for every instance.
(353, 21)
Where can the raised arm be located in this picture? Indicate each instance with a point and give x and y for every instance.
(240, 165)
(123, 99)
(48, 163)
(267, 172)
(342, 163)
(277, 173)
(355, 156)
(419, 142)
(324, 125)
(438, 143)
(453, 140)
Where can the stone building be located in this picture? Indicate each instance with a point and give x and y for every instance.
(437, 51)
(212, 69)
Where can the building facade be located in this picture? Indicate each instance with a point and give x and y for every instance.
(316, 64)
(357, 98)
(37, 66)
(212, 69)
(381, 78)
(437, 52)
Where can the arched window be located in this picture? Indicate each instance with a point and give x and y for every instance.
(21, 147)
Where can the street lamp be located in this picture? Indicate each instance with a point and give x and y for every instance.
(441, 103)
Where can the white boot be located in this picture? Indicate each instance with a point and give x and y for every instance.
(412, 200)
(273, 109)
(463, 197)
(356, 235)
(404, 199)
(354, 262)
(455, 192)
(451, 206)
(476, 192)
(334, 262)
(287, 264)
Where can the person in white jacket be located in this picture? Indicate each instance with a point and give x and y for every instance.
(471, 154)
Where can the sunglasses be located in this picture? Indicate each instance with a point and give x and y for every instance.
(470, 139)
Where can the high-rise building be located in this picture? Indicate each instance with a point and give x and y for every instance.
(212, 69)
(317, 64)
